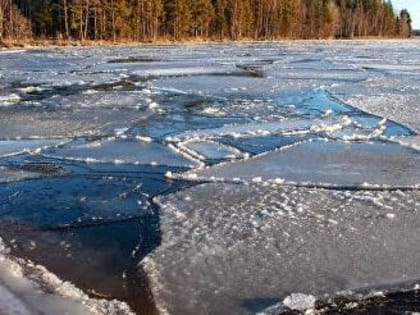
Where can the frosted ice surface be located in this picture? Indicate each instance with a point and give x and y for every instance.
(182, 70)
(257, 145)
(11, 147)
(211, 150)
(41, 124)
(413, 142)
(317, 162)
(121, 151)
(249, 129)
(67, 122)
(401, 108)
(168, 125)
(249, 246)
(314, 103)
(98, 99)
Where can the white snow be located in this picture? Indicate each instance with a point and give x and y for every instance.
(299, 301)
(7, 100)
(412, 142)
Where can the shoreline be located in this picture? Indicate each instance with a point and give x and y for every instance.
(34, 44)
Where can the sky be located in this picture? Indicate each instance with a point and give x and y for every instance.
(413, 6)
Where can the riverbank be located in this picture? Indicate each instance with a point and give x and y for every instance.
(27, 44)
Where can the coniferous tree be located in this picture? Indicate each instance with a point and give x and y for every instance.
(202, 13)
(404, 26)
(239, 18)
(3, 4)
(220, 22)
(179, 18)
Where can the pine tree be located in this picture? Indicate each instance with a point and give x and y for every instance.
(202, 12)
(220, 22)
(239, 18)
(287, 24)
(13, 25)
(3, 4)
(405, 24)
(178, 17)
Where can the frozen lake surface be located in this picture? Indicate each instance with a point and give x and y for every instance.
(208, 179)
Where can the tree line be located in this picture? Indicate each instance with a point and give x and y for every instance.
(150, 20)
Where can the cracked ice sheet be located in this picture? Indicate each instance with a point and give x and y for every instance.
(211, 150)
(249, 245)
(327, 163)
(249, 129)
(247, 87)
(126, 151)
(13, 147)
(96, 99)
(25, 123)
(412, 142)
(291, 104)
(394, 97)
(402, 108)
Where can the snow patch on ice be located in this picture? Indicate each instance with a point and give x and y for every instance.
(8, 100)
(412, 142)
(299, 301)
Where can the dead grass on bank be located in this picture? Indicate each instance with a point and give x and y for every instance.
(45, 43)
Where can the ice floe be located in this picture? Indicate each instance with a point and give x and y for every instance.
(120, 151)
(326, 163)
(249, 246)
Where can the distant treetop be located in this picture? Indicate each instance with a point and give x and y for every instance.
(150, 20)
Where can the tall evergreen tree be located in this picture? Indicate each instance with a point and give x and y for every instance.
(202, 13)
(179, 18)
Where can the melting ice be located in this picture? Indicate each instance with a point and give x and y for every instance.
(217, 178)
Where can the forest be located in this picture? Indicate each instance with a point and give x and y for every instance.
(153, 20)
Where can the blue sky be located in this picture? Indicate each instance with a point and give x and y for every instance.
(413, 7)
